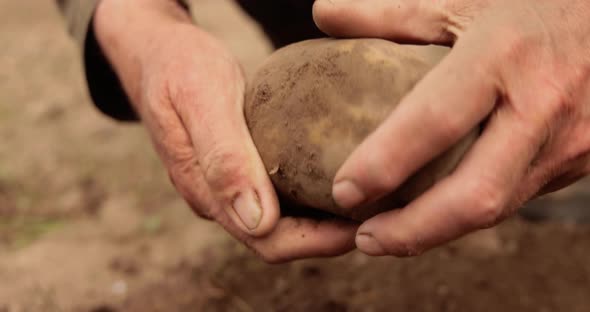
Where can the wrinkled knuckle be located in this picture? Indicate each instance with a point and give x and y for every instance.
(223, 168)
(457, 14)
(488, 206)
(488, 213)
(450, 130)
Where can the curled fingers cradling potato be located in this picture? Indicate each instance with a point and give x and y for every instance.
(520, 67)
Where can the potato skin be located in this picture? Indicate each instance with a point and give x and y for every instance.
(311, 103)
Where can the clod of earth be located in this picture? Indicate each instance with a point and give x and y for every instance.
(311, 103)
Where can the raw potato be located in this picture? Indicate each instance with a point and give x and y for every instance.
(313, 102)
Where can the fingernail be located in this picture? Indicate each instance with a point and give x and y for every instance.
(369, 245)
(347, 194)
(247, 207)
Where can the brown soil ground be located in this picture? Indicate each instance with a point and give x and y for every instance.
(89, 222)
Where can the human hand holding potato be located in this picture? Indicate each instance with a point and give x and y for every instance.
(189, 91)
(521, 68)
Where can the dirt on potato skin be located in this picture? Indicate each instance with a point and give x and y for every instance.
(101, 229)
(312, 103)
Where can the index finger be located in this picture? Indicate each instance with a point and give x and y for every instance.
(299, 238)
(479, 194)
(444, 107)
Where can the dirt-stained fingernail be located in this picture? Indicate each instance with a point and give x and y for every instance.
(347, 194)
(248, 209)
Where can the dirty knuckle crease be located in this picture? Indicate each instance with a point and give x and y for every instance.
(172, 144)
(223, 168)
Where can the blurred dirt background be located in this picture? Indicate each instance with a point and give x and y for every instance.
(89, 221)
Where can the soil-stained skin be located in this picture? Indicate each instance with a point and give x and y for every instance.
(310, 104)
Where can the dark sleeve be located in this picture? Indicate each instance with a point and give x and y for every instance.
(284, 21)
(104, 86)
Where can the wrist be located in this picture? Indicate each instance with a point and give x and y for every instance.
(128, 31)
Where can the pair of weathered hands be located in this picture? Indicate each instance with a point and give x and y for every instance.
(521, 67)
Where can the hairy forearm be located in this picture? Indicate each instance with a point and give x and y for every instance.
(128, 32)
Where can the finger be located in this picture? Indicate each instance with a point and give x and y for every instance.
(212, 112)
(398, 20)
(444, 107)
(173, 145)
(292, 238)
(479, 194)
(299, 238)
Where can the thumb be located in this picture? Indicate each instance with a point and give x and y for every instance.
(212, 113)
(404, 21)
